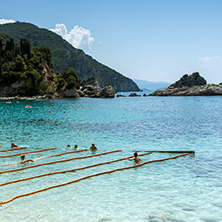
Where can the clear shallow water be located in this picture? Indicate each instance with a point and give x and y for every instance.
(185, 189)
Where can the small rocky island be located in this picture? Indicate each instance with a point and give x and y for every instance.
(190, 85)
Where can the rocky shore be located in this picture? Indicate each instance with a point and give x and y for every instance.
(89, 88)
(190, 85)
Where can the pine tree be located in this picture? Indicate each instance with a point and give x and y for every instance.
(25, 48)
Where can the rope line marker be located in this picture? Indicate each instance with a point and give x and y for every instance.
(165, 151)
(12, 149)
(19, 154)
(60, 154)
(68, 171)
(90, 176)
(59, 161)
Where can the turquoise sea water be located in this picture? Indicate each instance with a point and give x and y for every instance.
(185, 189)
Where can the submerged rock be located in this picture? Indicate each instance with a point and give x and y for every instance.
(154, 218)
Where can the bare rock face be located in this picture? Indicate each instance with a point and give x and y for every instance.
(107, 92)
(189, 80)
(18, 84)
(91, 91)
(96, 92)
(90, 88)
(70, 93)
(193, 85)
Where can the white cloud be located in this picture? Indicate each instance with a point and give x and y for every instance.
(210, 62)
(212, 67)
(79, 37)
(4, 21)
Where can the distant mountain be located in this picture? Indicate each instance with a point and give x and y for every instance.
(143, 84)
(65, 56)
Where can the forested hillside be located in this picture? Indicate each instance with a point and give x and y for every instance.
(27, 71)
(65, 55)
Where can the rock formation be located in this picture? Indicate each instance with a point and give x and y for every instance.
(133, 95)
(189, 80)
(192, 85)
(90, 88)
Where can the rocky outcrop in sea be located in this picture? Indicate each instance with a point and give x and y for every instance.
(190, 85)
(90, 88)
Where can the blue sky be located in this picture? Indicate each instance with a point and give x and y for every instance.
(154, 40)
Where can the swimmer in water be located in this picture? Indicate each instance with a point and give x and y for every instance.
(93, 147)
(13, 145)
(76, 147)
(68, 146)
(25, 161)
(135, 158)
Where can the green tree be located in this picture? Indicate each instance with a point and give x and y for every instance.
(10, 45)
(46, 55)
(68, 79)
(1, 44)
(20, 65)
(25, 48)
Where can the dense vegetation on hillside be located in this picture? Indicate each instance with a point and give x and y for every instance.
(31, 69)
(65, 56)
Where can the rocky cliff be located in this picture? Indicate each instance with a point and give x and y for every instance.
(190, 85)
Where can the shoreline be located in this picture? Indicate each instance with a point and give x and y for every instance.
(33, 98)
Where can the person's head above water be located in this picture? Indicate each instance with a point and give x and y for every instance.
(23, 157)
(135, 154)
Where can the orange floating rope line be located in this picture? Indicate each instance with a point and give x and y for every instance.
(59, 161)
(19, 154)
(17, 148)
(60, 154)
(68, 171)
(169, 151)
(90, 176)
